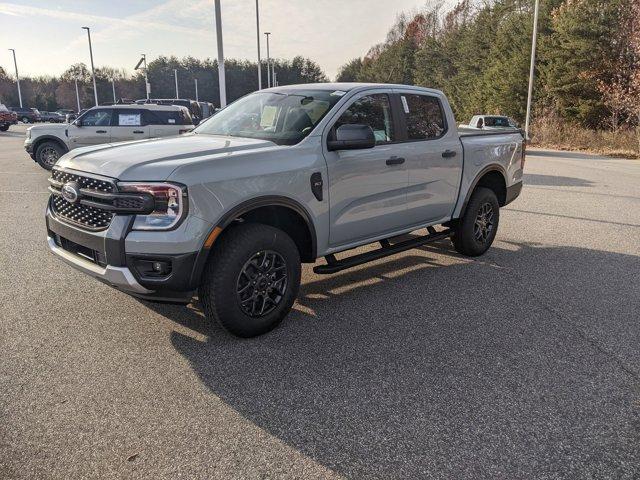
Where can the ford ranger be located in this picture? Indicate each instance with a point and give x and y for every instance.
(281, 176)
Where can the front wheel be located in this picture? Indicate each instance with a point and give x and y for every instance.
(25, 120)
(251, 279)
(47, 154)
(4, 128)
(476, 230)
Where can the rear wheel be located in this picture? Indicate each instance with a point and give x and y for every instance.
(4, 128)
(47, 154)
(251, 279)
(476, 230)
(25, 119)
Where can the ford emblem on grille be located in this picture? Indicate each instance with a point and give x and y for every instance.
(70, 192)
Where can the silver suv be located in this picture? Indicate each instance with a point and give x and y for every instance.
(109, 124)
(279, 177)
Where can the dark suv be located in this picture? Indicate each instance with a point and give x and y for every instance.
(27, 115)
(192, 106)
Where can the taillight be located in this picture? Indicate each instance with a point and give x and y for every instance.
(170, 202)
(524, 153)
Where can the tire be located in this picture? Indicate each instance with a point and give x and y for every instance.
(4, 128)
(48, 153)
(476, 230)
(246, 258)
(25, 119)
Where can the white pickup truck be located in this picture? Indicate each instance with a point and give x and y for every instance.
(279, 177)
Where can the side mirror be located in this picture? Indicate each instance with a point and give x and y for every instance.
(352, 137)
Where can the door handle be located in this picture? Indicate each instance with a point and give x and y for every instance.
(395, 161)
(448, 154)
(101, 131)
(138, 131)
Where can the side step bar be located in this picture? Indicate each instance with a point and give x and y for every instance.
(334, 265)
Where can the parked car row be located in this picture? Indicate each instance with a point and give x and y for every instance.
(105, 124)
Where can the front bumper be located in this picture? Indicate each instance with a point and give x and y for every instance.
(102, 255)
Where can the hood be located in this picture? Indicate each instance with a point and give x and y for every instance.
(154, 160)
(49, 128)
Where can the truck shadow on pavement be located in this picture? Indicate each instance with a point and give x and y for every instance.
(555, 181)
(522, 363)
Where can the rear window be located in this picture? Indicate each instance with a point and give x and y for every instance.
(424, 116)
(496, 122)
(168, 117)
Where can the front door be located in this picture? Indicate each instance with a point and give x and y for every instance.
(92, 128)
(129, 124)
(367, 188)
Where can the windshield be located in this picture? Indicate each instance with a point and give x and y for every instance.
(283, 118)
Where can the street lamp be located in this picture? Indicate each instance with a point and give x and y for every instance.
(532, 68)
(113, 87)
(196, 82)
(221, 75)
(258, 38)
(77, 93)
(93, 70)
(147, 86)
(15, 64)
(175, 76)
(268, 61)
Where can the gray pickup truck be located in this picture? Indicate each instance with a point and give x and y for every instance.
(279, 177)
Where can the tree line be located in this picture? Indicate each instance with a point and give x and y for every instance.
(49, 93)
(478, 53)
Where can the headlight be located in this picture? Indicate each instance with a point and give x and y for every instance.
(170, 204)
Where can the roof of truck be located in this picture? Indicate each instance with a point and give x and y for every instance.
(345, 86)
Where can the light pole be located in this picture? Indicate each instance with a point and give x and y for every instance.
(147, 85)
(113, 87)
(258, 38)
(532, 68)
(175, 76)
(221, 75)
(93, 70)
(77, 93)
(268, 61)
(15, 64)
(196, 82)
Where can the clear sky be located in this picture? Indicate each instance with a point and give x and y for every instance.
(47, 36)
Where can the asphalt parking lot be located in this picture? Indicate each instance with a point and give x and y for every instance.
(523, 363)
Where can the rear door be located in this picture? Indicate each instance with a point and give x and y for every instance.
(434, 157)
(95, 128)
(367, 188)
(129, 124)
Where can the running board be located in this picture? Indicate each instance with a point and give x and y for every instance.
(334, 265)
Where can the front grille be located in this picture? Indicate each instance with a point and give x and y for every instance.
(129, 203)
(63, 176)
(84, 216)
(81, 215)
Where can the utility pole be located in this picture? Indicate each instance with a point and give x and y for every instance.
(93, 70)
(268, 62)
(15, 64)
(258, 38)
(113, 87)
(221, 75)
(273, 74)
(532, 68)
(175, 76)
(196, 81)
(77, 93)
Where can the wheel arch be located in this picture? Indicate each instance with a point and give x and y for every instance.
(48, 138)
(493, 177)
(280, 212)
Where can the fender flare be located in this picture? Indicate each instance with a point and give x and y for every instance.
(489, 168)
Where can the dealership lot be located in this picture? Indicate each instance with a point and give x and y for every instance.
(523, 363)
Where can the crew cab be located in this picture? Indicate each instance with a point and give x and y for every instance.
(108, 124)
(279, 177)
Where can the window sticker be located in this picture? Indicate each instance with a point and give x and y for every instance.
(129, 119)
(171, 120)
(338, 93)
(268, 118)
(405, 105)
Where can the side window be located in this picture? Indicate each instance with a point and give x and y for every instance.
(128, 118)
(373, 110)
(425, 119)
(97, 118)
